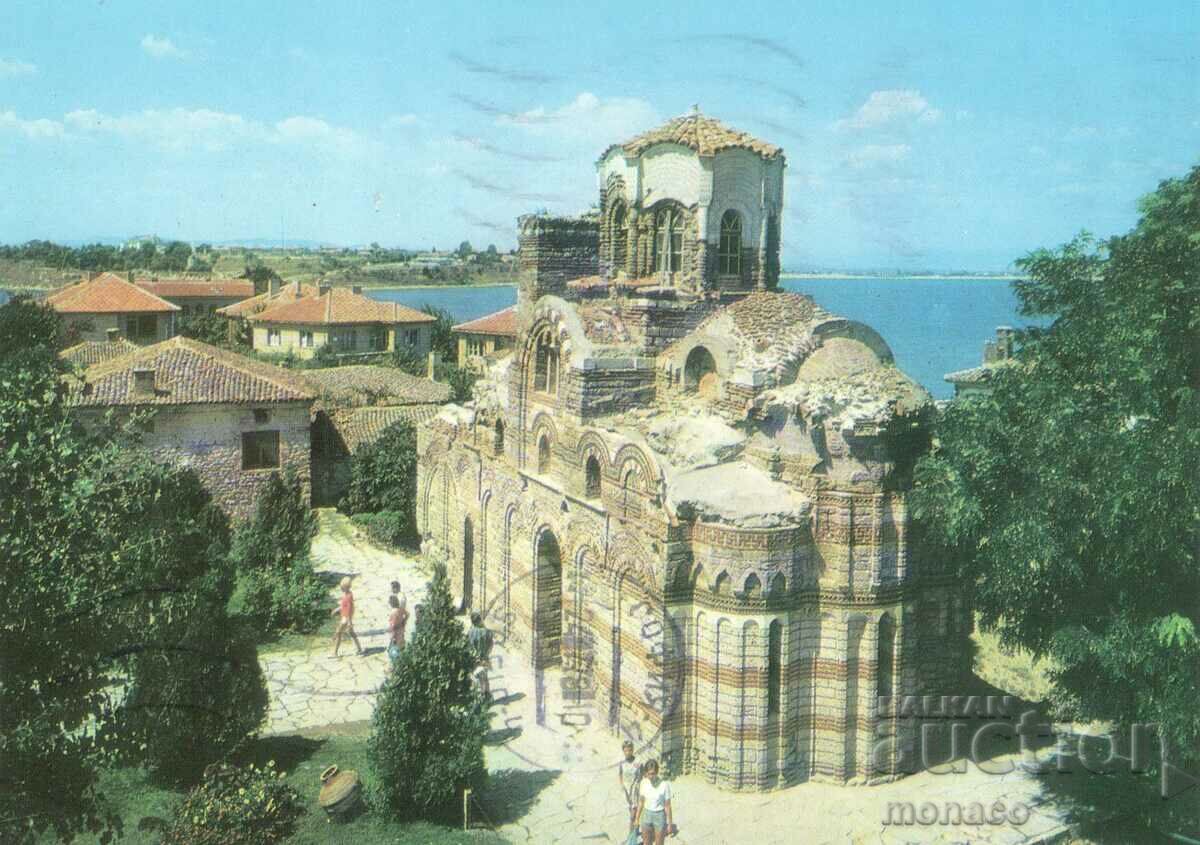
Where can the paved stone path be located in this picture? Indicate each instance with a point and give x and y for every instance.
(311, 689)
(552, 782)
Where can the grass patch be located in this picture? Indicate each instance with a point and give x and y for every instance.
(1015, 672)
(134, 797)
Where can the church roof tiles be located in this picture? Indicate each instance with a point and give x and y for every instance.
(706, 135)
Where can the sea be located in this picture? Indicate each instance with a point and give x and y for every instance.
(933, 325)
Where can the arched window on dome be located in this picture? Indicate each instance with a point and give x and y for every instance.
(617, 235)
(729, 250)
(668, 240)
(545, 372)
(591, 481)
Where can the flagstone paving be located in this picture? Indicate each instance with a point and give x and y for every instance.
(550, 782)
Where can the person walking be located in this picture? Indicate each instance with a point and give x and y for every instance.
(654, 814)
(346, 624)
(480, 639)
(629, 773)
(397, 621)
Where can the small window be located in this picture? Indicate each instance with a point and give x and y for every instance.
(143, 327)
(774, 655)
(668, 241)
(260, 450)
(262, 416)
(729, 251)
(378, 339)
(544, 454)
(346, 339)
(412, 337)
(274, 337)
(545, 376)
(499, 437)
(306, 339)
(591, 482)
(474, 346)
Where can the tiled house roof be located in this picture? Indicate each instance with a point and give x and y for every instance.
(97, 351)
(978, 375)
(199, 288)
(500, 323)
(186, 372)
(287, 293)
(370, 385)
(108, 293)
(706, 135)
(339, 306)
(353, 428)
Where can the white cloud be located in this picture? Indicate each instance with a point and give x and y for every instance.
(10, 68)
(40, 128)
(587, 117)
(175, 129)
(161, 47)
(877, 154)
(884, 108)
(399, 121)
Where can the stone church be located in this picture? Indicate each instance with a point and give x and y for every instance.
(683, 495)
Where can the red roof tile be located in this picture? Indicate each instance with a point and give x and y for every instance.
(287, 293)
(502, 323)
(108, 293)
(340, 306)
(706, 135)
(187, 372)
(97, 351)
(200, 288)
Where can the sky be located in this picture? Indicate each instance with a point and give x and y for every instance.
(918, 135)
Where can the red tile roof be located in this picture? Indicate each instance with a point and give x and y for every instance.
(97, 351)
(108, 293)
(287, 293)
(358, 427)
(364, 384)
(199, 288)
(187, 372)
(339, 306)
(705, 135)
(503, 323)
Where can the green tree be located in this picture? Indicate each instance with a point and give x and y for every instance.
(206, 328)
(1070, 496)
(111, 562)
(281, 530)
(465, 249)
(383, 479)
(443, 341)
(427, 732)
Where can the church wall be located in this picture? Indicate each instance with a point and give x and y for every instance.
(671, 172)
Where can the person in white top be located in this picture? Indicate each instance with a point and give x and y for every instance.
(630, 774)
(654, 806)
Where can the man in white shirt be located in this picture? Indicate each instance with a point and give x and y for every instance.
(629, 771)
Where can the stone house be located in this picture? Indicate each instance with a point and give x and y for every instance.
(351, 322)
(197, 297)
(94, 306)
(683, 497)
(486, 337)
(233, 420)
(354, 406)
(996, 354)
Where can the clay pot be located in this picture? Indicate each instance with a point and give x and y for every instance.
(340, 791)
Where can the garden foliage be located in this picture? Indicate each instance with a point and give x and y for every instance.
(234, 805)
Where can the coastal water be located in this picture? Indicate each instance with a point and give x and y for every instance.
(934, 326)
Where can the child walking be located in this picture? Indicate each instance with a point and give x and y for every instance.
(346, 625)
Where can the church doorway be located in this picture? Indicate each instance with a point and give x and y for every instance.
(468, 576)
(547, 601)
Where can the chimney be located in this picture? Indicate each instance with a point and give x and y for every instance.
(433, 362)
(273, 288)
(356, 289)
(112, 334)
(323, 289)
(143, 383)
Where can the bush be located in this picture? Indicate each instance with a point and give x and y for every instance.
(284, 599)
(408, 361)
(383, 478)
(421, 772)
(212, 329)
(390, 529)
(280, 532)
(236, 806)
(192, 703)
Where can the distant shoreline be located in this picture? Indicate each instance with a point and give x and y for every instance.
(989, 277)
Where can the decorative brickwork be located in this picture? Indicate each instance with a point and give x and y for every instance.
(712, 556)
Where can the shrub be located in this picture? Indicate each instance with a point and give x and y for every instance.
(192, 703)
(383, 478)
(236, 806)
(419, 772)
(390, 529)
(408, 361)
(206, 328)
(289, 599)
(281, 530)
